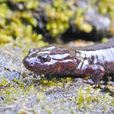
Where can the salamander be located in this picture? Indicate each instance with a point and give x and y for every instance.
(92, 61)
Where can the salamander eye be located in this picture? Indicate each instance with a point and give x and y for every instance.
(44, 58)
(32, 50)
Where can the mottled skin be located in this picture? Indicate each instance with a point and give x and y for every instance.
(52, 60)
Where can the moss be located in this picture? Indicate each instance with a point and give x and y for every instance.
(105, 40)
(14, 93)
(85, 98)
(45, 98)
(41, 96)
(4, 82)
(86, 27)
(107, 6)
(19, 23)
(59, 14)
(112, 103)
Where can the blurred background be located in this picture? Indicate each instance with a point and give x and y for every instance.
(56, 21)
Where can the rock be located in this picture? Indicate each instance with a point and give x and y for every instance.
(11, 65)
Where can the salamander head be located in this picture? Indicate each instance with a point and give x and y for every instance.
(50, 60)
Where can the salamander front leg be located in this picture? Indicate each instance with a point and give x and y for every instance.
(96, 72)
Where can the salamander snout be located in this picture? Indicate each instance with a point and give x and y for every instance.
(29, 62)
